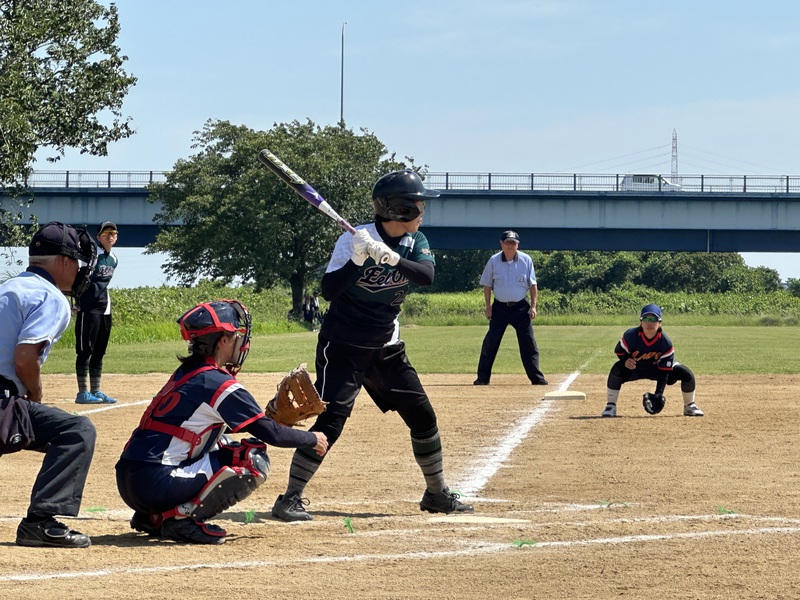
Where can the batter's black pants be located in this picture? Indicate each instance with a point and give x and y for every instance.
(519, 317)
(92, 332)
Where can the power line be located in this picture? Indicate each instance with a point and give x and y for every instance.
(574, 169)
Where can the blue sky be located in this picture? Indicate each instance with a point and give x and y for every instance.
(502, 86)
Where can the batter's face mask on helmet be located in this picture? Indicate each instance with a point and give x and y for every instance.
(396, 194)
(220, 316)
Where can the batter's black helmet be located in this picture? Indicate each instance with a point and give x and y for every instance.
(203, 325)
(653, 403)
(395, 195)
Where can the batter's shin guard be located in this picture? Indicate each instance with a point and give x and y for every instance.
(232, 484)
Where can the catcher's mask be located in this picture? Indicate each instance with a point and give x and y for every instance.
(396, 194)
(203, 325)
(653, 403)
(57, 238)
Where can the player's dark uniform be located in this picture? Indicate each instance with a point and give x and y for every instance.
(655, 360)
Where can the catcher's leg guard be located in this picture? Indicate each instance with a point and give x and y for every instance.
(249, 469)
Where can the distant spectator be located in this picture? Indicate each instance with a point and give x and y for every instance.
(93, 322)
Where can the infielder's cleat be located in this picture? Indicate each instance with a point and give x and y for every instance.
(105, 399)
(141, 521)
(609, 411)
(291, 508)
(443, 502)
(87, 398)
(692, 410)
(480, 382)
(193, 532)
(50, 534)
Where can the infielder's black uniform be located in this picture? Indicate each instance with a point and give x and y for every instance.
(93, 321)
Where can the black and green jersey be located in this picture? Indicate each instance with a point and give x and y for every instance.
(95, 299)
(366, 313)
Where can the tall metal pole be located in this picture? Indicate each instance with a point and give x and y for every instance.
(341, 95)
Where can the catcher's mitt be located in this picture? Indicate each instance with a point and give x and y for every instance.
(297, 399)
(653, 403)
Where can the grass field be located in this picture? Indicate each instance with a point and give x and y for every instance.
(705, 349)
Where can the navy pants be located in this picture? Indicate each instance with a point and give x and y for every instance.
(519, 317)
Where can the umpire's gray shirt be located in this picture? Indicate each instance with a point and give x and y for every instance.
(510, 280)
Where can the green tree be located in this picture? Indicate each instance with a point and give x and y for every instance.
(60, 72)
(239, 222)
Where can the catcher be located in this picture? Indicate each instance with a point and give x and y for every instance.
(645, 352)
(178, 469)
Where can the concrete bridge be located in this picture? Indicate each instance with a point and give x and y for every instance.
(698, 213)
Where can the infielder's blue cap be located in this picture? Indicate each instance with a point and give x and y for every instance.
(651, 309)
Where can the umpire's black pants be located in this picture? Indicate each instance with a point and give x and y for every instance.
(67, 442)
(519, 317)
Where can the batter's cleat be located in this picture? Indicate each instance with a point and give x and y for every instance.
(50, 534)
(540, 382)
(609, 411)
(192, 532)
(105, 399)
(443, 502)
(692, 410)
(291, 508)
(141, 521)
(480, 382)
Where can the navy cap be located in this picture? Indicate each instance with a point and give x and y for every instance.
(106, 225)
(53, 239)
(509, 235)
(651, 309)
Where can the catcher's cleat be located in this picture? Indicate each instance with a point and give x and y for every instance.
(105, 399)
(692, 410)
(50, 534)
(443, 502)
(141, 521)
(609, 411)
(291, 508)
(193, 532)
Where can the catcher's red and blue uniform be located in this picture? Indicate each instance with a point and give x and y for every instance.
(655, 360)
(173, 453)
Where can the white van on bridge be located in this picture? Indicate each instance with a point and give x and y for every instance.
(647, 183)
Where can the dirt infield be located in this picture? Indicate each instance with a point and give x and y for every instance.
(567, 505)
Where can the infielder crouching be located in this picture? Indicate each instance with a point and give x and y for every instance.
(179, 469)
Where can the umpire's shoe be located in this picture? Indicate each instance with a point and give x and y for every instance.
(291, 507)
(443, 502)
(50, 534)
(191, 531)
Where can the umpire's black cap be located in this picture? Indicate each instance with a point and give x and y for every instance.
(509, 235)
(55, 238)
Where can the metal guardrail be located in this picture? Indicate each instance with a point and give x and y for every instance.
(585, 182)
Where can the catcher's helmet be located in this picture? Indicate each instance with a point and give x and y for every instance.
(203, 325)
(396, 194)
(653, 403)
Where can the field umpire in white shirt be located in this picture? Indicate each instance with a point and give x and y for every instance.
(510, 275)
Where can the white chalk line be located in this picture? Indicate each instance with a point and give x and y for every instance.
(472, 549)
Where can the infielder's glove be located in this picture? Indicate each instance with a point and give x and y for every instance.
(653, 403)
(296, 400)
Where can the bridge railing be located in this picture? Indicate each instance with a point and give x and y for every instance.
(590, 182)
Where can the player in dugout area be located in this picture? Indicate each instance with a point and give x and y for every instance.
(179, 468)
(645, 352)
(359, 343)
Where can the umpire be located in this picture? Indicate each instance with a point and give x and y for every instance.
(510, 275)
(33, 315)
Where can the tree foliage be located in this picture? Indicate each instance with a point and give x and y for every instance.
(241, 223)
(60, 71)
(570, 272)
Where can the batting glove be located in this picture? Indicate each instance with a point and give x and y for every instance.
(382, 254)
(361, 243)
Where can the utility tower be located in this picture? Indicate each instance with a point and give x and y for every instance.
(674, 156)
